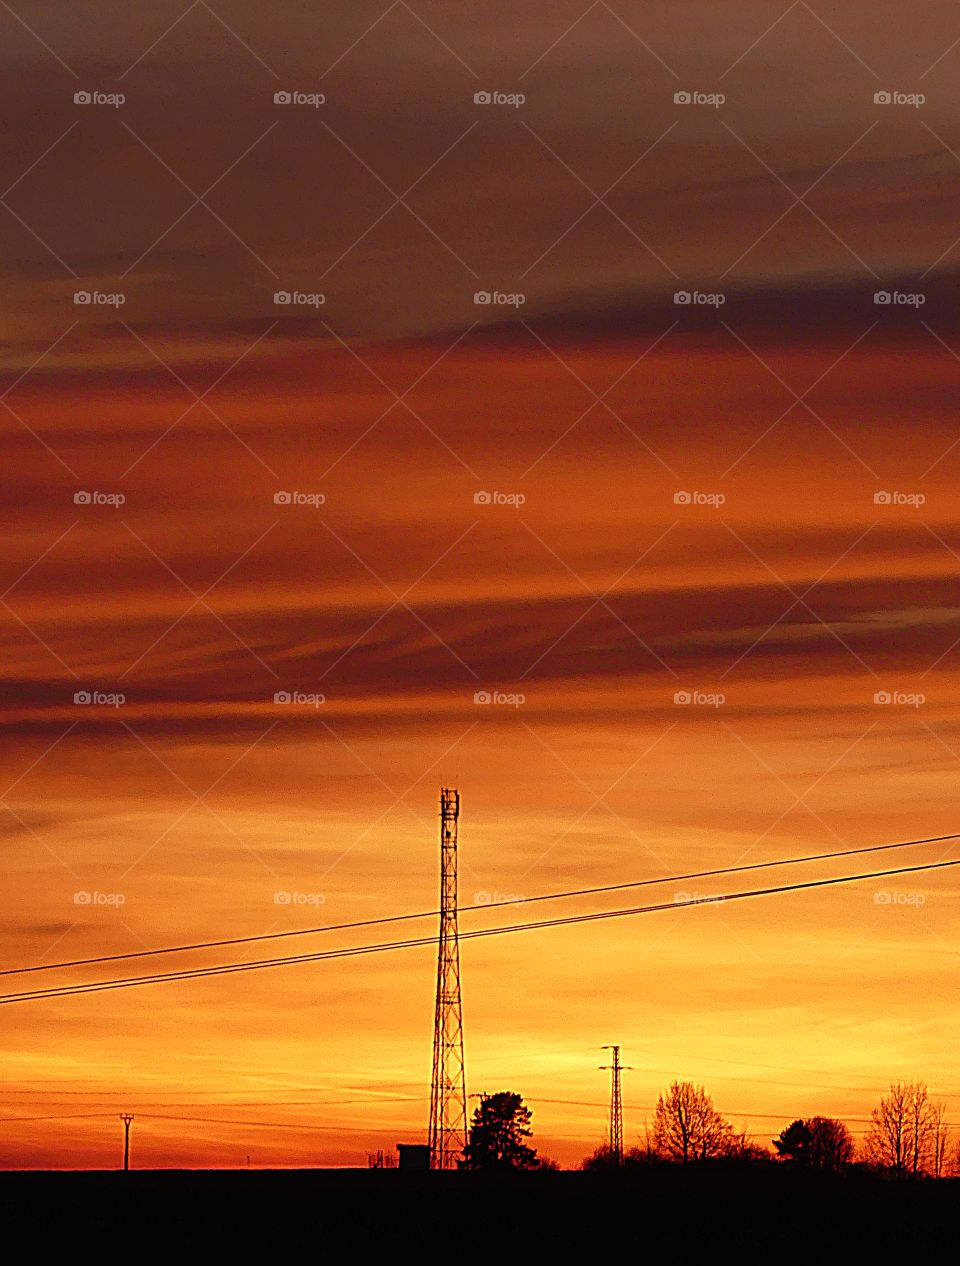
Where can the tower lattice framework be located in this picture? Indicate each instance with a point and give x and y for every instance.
(448, 1095)
(616, 1106)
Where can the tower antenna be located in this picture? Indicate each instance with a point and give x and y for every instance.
(448, 1095)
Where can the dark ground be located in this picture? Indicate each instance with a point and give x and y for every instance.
(692, 1214)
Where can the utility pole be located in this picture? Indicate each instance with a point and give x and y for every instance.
(448, 1094)
(126, 1118)
(616, 1106)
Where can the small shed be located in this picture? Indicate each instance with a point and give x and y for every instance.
(414, 1155)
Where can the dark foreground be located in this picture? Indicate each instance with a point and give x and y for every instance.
(688, 1213)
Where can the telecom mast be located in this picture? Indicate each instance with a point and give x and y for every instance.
(448, 1095)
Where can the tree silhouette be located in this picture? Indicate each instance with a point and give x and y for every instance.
(687, 1127)
(941, 1139)
(793, 1143)
(820, 1143)
(500, 1124)
(603, 1159)
(905, 1138)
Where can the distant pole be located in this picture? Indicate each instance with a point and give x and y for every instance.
(616, 1106)
(126, 1118)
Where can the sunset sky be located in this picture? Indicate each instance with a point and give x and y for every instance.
(781, 581)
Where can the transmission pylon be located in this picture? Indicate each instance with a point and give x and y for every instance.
(616, 1106)
(448, 1093)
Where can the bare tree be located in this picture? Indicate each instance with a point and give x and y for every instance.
(941, 1138)
(904, 1136)
(687, 1127)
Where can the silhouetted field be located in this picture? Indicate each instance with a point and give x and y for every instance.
(689, 1212)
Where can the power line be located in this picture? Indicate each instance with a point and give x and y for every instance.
(69, 1116)
(488, 905)
(796, 1085)
(286, 1125)
(225, 1090)
(564, 921)
(232, 1103)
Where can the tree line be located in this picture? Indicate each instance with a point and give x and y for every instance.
(908, 1137)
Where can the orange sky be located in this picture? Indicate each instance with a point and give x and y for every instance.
(597, 598)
